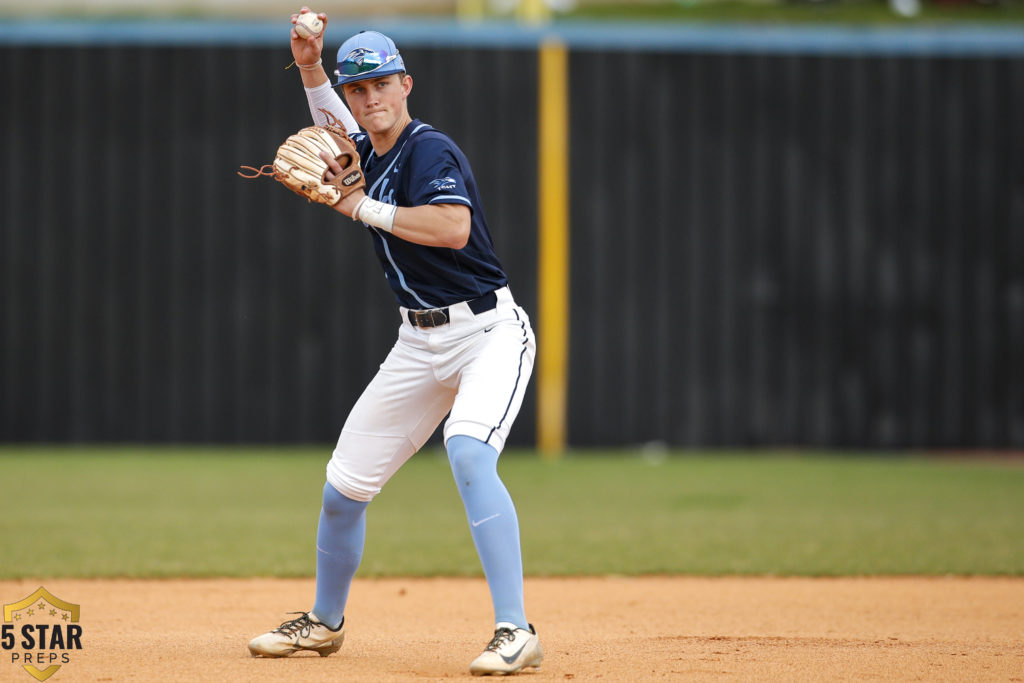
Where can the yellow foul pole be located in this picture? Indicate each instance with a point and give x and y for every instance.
(553, 241)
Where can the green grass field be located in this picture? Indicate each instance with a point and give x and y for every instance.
(145, 512)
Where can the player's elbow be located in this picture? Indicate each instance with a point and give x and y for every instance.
(459, 239)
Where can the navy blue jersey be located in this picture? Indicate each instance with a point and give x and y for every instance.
(426, 167)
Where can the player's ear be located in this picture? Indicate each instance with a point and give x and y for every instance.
(406, 84)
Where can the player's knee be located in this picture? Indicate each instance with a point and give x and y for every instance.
(471, 458)
(336, 503)
(350, 486)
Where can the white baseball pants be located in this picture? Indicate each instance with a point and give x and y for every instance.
(476, 366)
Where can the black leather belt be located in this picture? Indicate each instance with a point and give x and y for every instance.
(432, 317)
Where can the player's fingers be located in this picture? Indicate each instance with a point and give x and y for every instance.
(332, 163)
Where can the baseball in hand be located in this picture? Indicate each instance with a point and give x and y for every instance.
(308, 25)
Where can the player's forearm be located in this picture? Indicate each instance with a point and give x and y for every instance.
(323, 96)
(434, 225)
(313, 75)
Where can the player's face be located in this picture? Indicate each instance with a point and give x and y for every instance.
(379, 104)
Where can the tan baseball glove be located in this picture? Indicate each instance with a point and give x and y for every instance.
(298, 165)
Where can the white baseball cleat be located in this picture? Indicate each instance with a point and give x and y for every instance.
(302, 633)
(511, 649)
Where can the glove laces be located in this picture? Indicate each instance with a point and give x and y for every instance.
(251, 172)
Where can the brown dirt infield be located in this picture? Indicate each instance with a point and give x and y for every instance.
(616, 629)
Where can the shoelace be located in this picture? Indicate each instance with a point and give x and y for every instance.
(501, 636)
(303, 625)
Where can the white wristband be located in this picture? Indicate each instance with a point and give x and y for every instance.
(359, 204)
(377, 214)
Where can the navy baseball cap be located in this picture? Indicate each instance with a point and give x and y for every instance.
(367, 54)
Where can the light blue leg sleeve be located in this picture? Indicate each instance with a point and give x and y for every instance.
(493, 523)
(339, 549)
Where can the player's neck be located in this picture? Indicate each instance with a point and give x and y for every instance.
(383, 142)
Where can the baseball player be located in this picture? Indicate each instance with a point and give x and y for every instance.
(464, 347)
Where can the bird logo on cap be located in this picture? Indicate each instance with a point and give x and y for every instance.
(359, 55)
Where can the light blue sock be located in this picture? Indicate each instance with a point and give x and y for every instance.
(339, 548)
(493, 523)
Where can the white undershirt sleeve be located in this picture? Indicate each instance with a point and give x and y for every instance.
(324, 96)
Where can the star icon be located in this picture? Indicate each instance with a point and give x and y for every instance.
(64, 616)
(42, 605)
(17, 617)
(31, 612)
(53, 612)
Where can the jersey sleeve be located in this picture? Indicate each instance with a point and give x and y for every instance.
(434, 173)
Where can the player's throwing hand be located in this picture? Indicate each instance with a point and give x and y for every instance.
(307, 51)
